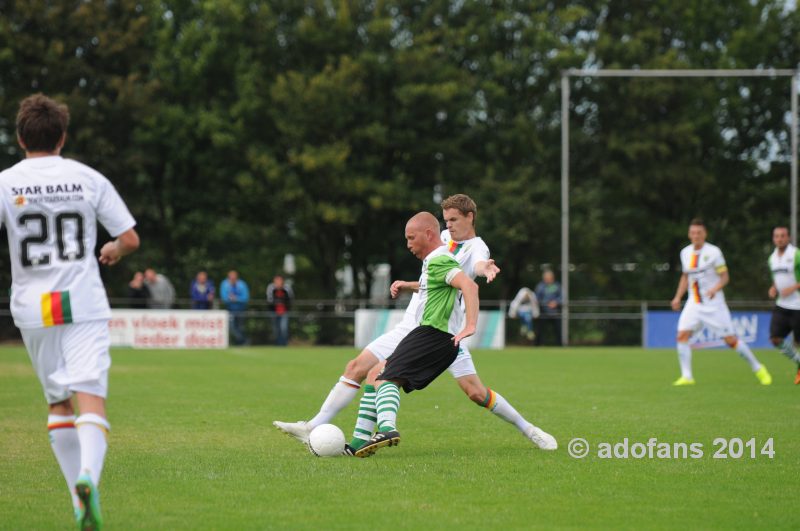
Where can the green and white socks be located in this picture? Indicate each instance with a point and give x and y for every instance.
(788, 349)
(367, 418)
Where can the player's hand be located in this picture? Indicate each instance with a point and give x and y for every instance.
(396, 288)
(676, 304)
(710, 293)
(773, 292)
(109, 254)
(465, 333)
(491, 270)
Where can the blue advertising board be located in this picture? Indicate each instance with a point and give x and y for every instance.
(660, 329)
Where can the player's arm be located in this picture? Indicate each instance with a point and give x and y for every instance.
(123, 245)
(683, 285)
(487, 268)
(469, 290)
(401, 285)
(724, 278)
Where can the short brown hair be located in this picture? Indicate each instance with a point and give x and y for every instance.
(41, 122)
(698, 221)
(463, 203)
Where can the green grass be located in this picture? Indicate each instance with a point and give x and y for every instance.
(192, 446)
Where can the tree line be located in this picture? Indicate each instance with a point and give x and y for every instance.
(239, 131)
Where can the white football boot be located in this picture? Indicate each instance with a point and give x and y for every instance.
(300, 430)
(542, 439)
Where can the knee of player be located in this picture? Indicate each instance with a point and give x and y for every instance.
(731, 341)
(777, 341)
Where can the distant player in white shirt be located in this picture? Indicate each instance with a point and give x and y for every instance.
(472, 254)
(50, 207)
(784, 266)
(704, 275)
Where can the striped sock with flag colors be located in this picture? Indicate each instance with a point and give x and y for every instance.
(387, 402)
(67, 449)
(367, 418)
(92, 432)
(499, 406)
(339, 398)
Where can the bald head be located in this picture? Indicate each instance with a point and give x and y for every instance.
(423, 221)
(422, 234)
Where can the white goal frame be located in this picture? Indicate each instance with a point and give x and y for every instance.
(630, 73)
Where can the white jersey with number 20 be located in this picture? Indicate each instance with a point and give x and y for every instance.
(50, 207)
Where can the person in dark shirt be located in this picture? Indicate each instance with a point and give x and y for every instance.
(202, 292)
(279, 297)
(138, 292)
(548, 291)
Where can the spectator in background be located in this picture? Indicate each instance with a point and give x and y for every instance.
(138, 293)
(548, 291)
(279, 297)
(235, 295)
(162, 294)
(525, 306)
(202, 292)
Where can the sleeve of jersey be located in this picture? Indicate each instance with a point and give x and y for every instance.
(112, 212)
(796, 266)
(482, 253)
(443, 269)
(719, 264)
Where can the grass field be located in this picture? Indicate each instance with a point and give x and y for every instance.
(192, 446)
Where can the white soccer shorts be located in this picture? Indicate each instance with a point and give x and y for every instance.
(716, 317)
(70, 358)
(383, 347)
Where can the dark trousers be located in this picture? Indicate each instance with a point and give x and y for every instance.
(236, 324)
(548, 325)
(280, 329)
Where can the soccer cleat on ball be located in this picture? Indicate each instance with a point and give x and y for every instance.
(541, 438)
(349, 451)
(90, 518)
(683, 381)
(326, 440)
(299, 430)
(379, 440)
(764, 376)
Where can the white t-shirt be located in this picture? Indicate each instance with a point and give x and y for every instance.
(785, 271)
(467, 254)
(703, 268)
(50, 207)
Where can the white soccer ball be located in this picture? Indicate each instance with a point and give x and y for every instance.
(326, 440)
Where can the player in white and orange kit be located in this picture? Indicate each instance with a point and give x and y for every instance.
(704, 275)
(50, 207)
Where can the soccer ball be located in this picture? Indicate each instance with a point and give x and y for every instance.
(326, 440)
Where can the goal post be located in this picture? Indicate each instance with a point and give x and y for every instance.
(644, 73)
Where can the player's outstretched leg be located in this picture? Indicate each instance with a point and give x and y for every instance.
(497, 405)
(789, 349)
(387, 403)
(340, 396)
(367, 420)
(744, 351)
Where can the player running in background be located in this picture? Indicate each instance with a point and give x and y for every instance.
(473, 256)
(704, 275)
(50, 207)
(784, 266)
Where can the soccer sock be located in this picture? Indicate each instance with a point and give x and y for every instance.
(92, 431)
(498, 405)
(747, 354)
(367, 418)
(790, 351)
(340, 396)
(685, 359)
(387, 402)
(67, 448)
